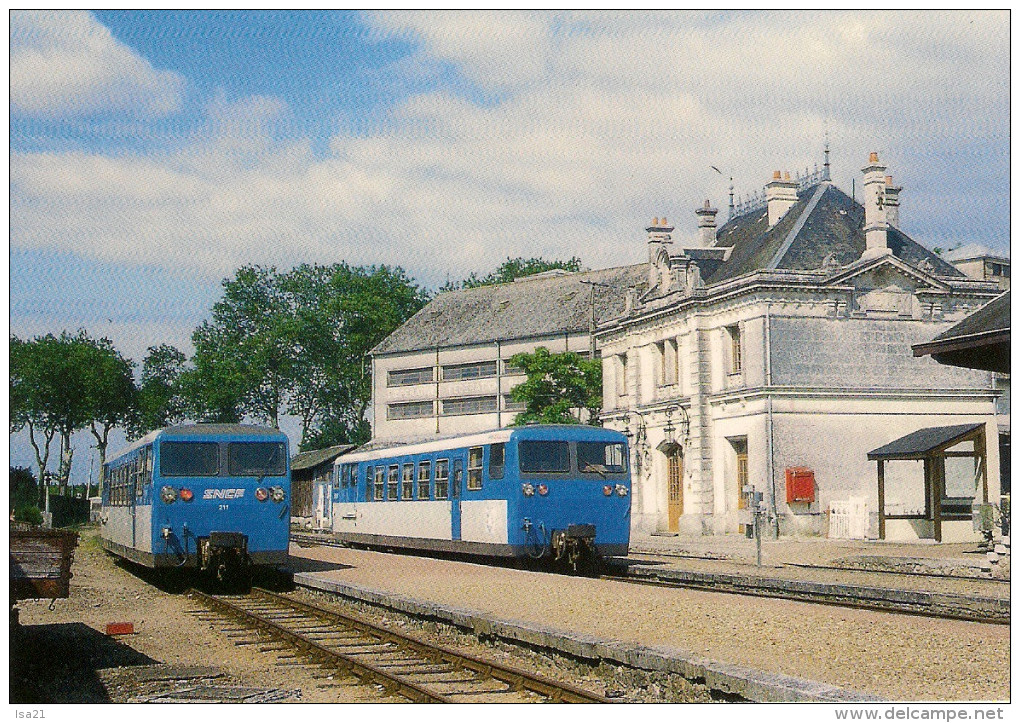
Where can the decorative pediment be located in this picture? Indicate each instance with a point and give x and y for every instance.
(885, 272)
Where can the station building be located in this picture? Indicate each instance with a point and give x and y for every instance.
(767, 355)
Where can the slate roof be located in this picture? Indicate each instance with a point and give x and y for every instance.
(975, 251)
(315, 457)
(526, 308)
(917, 444)
(824, 222)
(978, 341)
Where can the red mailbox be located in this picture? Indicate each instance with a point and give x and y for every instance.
(800, 484)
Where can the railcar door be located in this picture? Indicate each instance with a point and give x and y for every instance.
(456, 494)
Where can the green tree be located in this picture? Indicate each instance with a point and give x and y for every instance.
(560, 388)
(160, 398)
(24, 490)
(243, 354)
(296, 343)
(49, 390)
(110, 393)
(513, 269)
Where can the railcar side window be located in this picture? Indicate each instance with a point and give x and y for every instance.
(442, 479)
(497, 457)
(256, 459)
(189, 459)
(380, 483)
(407, 482)
(424, 474)
(474, 481)
(539, 456)
(601, 457)
(392, 482)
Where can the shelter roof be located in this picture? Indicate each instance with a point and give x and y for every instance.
(315, 457)
(978, 341)
(917, 445)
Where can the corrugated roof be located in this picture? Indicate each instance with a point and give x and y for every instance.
(529, 307)
(315, 457)
(917, 444)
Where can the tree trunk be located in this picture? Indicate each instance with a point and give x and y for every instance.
(102, 441)
(40, 459)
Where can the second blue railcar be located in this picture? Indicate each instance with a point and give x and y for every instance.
(545, 491)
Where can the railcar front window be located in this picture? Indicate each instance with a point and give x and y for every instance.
(544, 456)
(601, 457)
(189, 459)
(256, 459)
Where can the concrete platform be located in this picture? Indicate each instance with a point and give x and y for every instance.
(745, 682)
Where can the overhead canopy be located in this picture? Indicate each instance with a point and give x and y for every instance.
(979, 341)
(919, 444)
(307, 460)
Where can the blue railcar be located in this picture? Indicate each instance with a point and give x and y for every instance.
(215, 497)
(544, 491)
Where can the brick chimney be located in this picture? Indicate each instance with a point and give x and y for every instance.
(706, 225)
(658, 238)
(781, 195)
(876, 227)
(892, 202)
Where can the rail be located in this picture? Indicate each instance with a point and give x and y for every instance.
(350, 643)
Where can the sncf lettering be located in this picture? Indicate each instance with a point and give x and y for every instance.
(223, 494)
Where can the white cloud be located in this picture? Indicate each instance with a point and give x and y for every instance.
(603, 122)
(66, 64)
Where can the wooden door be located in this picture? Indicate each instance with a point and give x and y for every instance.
(741, 483)
(675, 477)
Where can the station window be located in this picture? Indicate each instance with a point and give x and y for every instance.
(380, 483)
(475, 370)
(392, 480)
(424, 481)
(407, 377)
(469, 405)
(474, 480)
(409, 410)
(442, 479)
(407, 482)
(735, 352)
(497, 458)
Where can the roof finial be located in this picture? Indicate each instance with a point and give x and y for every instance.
(825, 168)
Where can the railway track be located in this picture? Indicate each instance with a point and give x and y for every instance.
(926, 604)
(399, 664)
(903, 602)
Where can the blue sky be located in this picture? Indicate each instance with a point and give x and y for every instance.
(152, 153)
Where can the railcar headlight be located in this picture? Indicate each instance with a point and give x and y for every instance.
(187, 495)
(277, 494)
(621, 490)
(168, 494)
(543, 490)
(528, 489)
(262, 494)
(607, 490)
